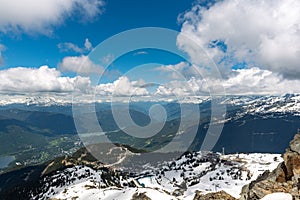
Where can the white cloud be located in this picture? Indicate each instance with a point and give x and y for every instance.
(140, 53)
(258, 81)
(241, 82)
(122, 87)
(262, 33)
(80, 64)
(179, 88)
(87, 44)
(33, 16)
(43, 79)
(71, 47)
(107, 59)
(68, 47)
(181, 70)
(89, 9)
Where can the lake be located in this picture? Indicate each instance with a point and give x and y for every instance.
(5, 161)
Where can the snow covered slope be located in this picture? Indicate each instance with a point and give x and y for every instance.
(179, 179)
(289, 103)
(278, 196)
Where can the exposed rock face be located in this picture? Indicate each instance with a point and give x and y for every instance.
(81, 157)
(140, 196)
(216, 196)
(295, 144)
(286, 178)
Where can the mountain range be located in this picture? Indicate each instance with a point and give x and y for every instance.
(38, 130)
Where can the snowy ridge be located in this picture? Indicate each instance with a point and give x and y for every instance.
(179, 179)
(289, 103)
(285, 104)
(33, 100)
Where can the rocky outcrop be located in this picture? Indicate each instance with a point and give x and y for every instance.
(140, 196)
(221, 195)
(285, 178)
(80, 157)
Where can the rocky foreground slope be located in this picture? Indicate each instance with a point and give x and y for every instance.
(212, 176)
(285, 178)
(195, 175)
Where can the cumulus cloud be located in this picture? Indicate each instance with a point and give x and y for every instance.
(258, 81)
(45, 80)
(71, 47)
(179, 88)
(122, 87)
(181, 70)
(32, 16)
(79, 64)
(261, 33)
(241, 82)
(42, 79)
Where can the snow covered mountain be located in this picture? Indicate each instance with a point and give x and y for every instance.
(253, 124)
(251, 104)
(289, 103)
(48, 100)
(191, 174)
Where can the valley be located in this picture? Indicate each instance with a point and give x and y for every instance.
(40, 142)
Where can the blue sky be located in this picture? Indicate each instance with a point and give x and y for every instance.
(244, 47)
(34, 50)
